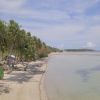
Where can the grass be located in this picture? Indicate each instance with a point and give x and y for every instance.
(1, 73)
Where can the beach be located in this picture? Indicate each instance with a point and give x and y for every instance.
(25, 85)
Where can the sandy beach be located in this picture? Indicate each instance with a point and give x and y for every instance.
(25, 85)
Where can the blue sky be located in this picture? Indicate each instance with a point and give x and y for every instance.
(59, 23)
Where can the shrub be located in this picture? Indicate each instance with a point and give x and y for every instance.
(1, 73)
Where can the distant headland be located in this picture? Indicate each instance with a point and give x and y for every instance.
(79, 50)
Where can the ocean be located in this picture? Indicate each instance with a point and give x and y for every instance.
(73, 76)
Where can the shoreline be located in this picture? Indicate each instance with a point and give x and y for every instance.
(43, 94)
(26, 85)
(75, 53)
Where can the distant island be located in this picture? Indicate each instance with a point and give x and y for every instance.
(79, 50)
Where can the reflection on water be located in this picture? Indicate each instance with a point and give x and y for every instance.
(97, 68)
(85, 73)
(73, 77)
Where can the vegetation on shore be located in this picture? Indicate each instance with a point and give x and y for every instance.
(15, 40)
(1, 73)
(79, 50)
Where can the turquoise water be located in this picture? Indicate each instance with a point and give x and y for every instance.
(73, 76)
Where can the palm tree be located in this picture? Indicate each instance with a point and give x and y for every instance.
(13, 31)
(17, 41)
(3, 42)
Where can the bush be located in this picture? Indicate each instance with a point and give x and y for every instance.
(1, 73)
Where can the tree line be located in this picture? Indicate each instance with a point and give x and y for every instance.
(16, 41)
(77, 50)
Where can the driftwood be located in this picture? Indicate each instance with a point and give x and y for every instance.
(20, 67)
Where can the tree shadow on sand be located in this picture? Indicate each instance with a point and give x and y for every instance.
(4, 88)
(25, 76)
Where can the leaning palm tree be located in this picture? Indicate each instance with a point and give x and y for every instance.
(13, 32)
(3, 42)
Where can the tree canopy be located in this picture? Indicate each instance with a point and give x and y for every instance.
(17, 41)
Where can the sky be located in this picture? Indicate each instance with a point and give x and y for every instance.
(59, 23)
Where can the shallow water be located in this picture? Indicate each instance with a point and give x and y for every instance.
(73, 77)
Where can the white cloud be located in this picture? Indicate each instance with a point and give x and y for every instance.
(80, 6)
(16, 7)
(77, 27)
(61, 46)
(90, 45)
(59, 32)
(53, 15)
(93, 33)
(11, 4)
(96, 17)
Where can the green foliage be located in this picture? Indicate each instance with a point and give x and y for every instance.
(77, 50)
(16, 41)
(1, 73)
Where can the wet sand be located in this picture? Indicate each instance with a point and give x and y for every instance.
(25, 85)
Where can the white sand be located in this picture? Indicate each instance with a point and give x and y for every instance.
(25, 85)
